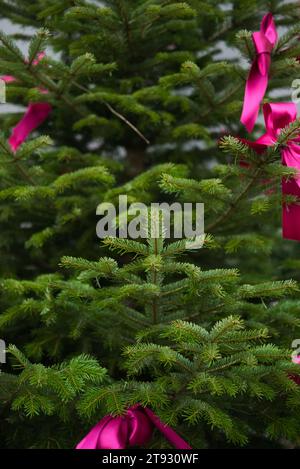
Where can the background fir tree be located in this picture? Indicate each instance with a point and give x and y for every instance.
(141, 99)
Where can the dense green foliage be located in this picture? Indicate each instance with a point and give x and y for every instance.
(145, 105)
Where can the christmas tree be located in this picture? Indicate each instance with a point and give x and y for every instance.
(143, 98)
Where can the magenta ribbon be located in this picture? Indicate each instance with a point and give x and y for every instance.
(135, 428)
(34, 116)
(257, 82)
(277, 116)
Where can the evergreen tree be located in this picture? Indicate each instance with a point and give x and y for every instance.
(143, 104)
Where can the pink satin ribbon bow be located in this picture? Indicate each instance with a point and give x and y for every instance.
(257, 82)
(277, 116)
(34, 116)
(135, 428)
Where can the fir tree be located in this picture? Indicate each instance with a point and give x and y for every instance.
(143, 105)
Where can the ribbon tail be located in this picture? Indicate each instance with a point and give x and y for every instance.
(291, 212)
(35, 115)
(256, 86)
(296, 379)
(167, 431)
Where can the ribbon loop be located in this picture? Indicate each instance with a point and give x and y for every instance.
(268, 28)
(257, 82)
(262, 43)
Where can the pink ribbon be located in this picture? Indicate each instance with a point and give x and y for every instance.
(277, 116)
(257, 82)
(135, 428)
(34, 116)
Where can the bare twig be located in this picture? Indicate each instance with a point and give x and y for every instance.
(117, 114)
